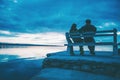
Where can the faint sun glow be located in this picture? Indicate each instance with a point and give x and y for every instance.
(15, 1)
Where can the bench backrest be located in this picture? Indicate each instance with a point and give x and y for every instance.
(104, 33)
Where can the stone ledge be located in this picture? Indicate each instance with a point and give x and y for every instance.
(109, 66)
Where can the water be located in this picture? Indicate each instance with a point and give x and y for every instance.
(24, 69)
(15, 66)
(36, 52)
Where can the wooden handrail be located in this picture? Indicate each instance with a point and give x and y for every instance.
(97, 35)
(105, 31)
(90, 44)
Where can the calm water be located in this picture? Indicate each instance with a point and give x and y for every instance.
(37, 52)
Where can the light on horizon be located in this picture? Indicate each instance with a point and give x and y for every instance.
(52, 38)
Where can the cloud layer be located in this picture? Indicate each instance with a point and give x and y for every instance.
(47, 38)
(42, 16)
(52, 15)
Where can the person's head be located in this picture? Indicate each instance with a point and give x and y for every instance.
(74, 26)
(88, 21)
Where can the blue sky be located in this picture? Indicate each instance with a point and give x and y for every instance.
(46, 21)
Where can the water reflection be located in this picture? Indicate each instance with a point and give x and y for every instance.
(36, 52)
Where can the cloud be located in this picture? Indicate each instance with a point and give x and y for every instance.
(34, 15)
(107, 25)
(53, 38)
(118, 33)
(39, 17)
(5, 32)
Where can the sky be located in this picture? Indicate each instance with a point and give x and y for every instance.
(46, 21)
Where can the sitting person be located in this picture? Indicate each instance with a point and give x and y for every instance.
(86, 29)
(73, 29)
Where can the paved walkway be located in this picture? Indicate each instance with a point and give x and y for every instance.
(64, 74)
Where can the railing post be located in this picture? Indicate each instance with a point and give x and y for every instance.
(115, 47)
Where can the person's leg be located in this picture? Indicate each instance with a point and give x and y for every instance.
(92, 48)
(75, 40)
(81, 50)
(81, 47)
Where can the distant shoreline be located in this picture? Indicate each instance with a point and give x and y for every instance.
(10, 45)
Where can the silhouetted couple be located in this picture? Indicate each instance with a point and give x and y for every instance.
(86, 29)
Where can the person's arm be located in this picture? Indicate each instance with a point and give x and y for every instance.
(70, 30)
(94, 29)
(81, 30)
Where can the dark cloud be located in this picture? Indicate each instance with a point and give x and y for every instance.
(53, 15)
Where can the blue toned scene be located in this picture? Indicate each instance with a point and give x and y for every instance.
(59, 40)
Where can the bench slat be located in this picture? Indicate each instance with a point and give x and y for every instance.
(81, 44)
(105, 31)
(97, 35)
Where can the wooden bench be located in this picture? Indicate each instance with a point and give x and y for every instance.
(104, 33)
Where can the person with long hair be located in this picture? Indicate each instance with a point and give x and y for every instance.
(74, 29)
